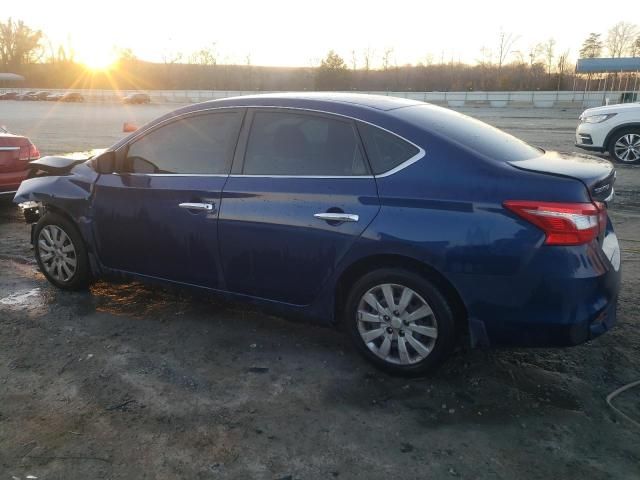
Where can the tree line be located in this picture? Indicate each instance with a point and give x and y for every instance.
(506, 66)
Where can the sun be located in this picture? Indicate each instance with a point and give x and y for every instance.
(99, 61)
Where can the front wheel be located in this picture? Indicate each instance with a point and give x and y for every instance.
(625, 146)
(61, 253)
(400, 321)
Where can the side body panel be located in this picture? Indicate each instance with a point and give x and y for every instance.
(272, 246)
(140, 228)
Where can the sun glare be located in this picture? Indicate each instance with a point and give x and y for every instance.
(98, 61)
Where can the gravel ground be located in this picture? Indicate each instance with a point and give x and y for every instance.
(128, 381)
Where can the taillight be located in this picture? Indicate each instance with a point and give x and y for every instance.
(563, 223)
(29, 152)
(34, 153)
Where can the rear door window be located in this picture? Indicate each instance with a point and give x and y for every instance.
(299, 144)
(202, 144)
(384, 149)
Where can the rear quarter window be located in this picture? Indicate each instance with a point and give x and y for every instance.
(384, 149)
(469, 133)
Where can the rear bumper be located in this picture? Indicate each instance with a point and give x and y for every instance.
(564, 296)
(546, 332)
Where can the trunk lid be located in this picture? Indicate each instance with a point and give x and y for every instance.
(596, 174)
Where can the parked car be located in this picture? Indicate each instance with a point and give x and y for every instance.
(42, 95)
(612, 128)
(72, 97)
(27, 96)
(15, 153)
(54, 97)
(409, 223)
(8, 96)
(137, 98)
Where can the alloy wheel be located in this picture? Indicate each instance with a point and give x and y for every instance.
(397, 324)
(57, 253)
(627, 148)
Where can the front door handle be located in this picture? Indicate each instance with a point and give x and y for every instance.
(197, 206)
(337, 217)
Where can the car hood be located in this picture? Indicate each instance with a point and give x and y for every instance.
(55, 165)
(59, 165)
(618, 108)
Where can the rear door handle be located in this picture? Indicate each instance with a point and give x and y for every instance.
(337, 217)
(197, 206)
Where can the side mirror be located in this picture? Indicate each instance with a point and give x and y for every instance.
(105, 162)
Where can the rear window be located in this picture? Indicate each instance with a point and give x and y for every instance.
(385, 150)
(468, 132)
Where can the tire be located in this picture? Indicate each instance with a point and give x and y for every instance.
(624, 146)
(427, 311)
(57, 240)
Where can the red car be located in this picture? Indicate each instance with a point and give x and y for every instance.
(15, 153)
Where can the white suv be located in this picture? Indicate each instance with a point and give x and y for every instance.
(613, 128)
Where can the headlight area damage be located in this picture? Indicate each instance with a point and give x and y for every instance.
(58, 184)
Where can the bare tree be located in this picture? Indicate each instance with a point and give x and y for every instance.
(533, 53)
(563, 62)
(52, 56)
(170, 57)
(519, 56)
(125, 55)
(620, 38)
(486, 57)
(386, 58)
(354, 60)
(548, 49)
(367, 57)
(505, 45)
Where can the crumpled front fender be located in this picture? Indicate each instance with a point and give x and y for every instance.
(68, 194)
(60, 191)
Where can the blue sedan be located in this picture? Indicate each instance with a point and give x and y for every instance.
(409, 224)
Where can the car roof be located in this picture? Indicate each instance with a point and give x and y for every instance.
(313, 100)
(366, 107)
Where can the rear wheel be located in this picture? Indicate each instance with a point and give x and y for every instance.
(625, 146)
(61, 253)
(400, 321)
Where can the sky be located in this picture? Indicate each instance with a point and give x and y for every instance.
(300, 33)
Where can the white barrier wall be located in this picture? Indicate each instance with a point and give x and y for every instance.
(536, 99)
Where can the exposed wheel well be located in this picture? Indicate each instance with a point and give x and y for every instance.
(614, 132)
(367, 264)
(61, 212)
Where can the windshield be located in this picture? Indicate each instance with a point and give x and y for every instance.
(469, 133)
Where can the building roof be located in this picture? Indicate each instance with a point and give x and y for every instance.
(10, 77)
(608, 65)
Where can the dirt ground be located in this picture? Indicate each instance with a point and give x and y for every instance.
(128, 381)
